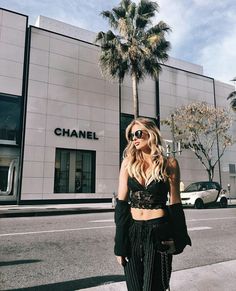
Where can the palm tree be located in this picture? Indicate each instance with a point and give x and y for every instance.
(232, 96)
(138, 48)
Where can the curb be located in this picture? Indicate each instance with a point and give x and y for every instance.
(50, 212)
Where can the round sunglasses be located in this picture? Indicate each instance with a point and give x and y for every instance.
(137, 134)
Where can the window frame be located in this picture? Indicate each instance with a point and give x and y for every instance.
(15, 100)
(92, 173)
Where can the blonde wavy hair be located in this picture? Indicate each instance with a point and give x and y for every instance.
(135, 161)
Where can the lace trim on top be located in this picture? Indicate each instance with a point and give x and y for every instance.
(145, 200)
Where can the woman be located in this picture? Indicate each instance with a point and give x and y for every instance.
(147, 232)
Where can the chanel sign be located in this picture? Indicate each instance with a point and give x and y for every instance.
(75, 133)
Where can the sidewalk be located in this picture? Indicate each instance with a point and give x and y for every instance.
(53, 209)
(216, 277)
(63, 209)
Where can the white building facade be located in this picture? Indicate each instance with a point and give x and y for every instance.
(61, 120)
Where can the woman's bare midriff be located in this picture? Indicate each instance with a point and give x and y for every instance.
(146, 214)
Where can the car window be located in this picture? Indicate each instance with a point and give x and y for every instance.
(203, 187)
(211, 186)
(193, 187)
(216, 186)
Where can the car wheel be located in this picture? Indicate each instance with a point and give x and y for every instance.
(199, 204)
(223, 202)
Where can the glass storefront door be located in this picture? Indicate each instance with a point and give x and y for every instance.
(10, 140)
(9, 172)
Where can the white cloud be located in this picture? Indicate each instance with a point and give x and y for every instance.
(204, 2)
(174, 14)
(203, 31)
(219, 58)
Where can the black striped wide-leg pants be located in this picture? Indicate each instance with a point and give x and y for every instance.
(147, 268)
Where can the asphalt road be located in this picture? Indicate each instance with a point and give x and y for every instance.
(74, 252)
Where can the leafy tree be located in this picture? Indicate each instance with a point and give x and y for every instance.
(200, 127)
(232, 97)
(134, 47)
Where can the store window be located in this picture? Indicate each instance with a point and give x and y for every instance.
(74, 171)
(232, 169)
(9, 120)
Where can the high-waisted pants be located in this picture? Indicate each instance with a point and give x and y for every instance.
(147, 268)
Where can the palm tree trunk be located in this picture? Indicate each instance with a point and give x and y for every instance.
(135, 95)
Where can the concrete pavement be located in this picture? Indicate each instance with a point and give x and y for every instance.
(216, 277)
(62, 209)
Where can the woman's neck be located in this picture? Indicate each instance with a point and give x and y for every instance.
(147, 157)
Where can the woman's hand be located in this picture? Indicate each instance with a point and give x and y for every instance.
(171, 246)
(122, 260)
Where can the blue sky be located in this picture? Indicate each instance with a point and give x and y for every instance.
(203, 31)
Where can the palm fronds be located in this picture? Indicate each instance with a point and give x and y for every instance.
(134, 47)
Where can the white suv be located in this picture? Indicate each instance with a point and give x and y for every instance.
(199, 194)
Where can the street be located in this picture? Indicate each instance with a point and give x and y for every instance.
(73, 252)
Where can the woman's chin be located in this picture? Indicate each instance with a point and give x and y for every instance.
(138, 147)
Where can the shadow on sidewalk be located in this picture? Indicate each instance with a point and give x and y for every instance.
(19, 262)
(75, 284)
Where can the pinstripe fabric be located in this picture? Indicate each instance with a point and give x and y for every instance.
(146, 270)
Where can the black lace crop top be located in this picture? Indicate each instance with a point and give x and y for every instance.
(152, 196)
